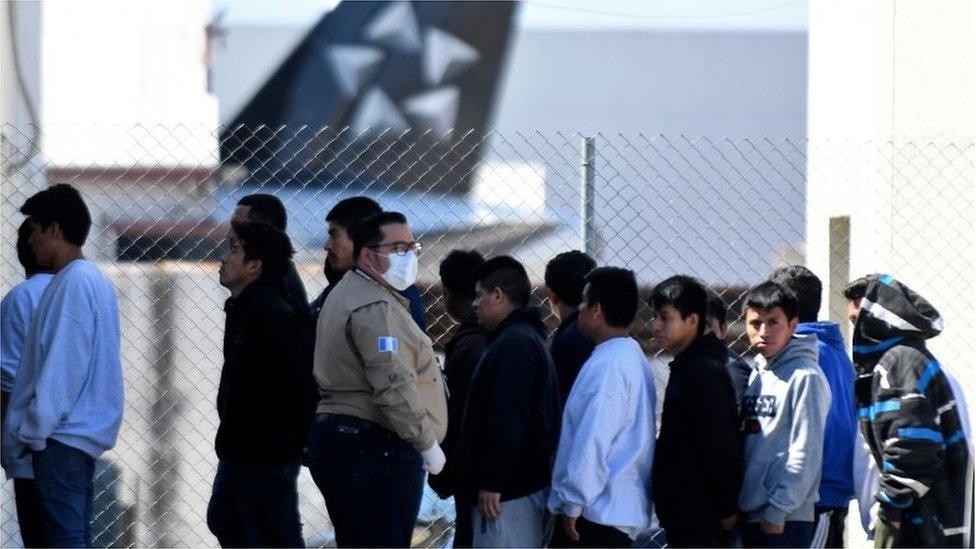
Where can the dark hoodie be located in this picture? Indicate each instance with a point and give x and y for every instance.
(908, 416)
(511, 422)
(698, 458)
(461, 356)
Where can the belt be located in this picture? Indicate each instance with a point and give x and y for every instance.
(350, 425)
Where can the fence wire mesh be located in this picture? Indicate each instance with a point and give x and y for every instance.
(725, 210)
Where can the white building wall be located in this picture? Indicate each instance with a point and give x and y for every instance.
(23, 173)
(892, 123)
(133, 74)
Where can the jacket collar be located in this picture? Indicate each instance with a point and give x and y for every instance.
(526, 315)
(567, 322)
(357, 276)
(253, 289)
(706, 346)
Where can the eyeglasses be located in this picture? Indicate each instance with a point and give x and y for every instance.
(401, 248)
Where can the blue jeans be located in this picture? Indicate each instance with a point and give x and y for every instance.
(255, 506)
(524, 522)
(372, 481)
(795, 534)
(63, 484)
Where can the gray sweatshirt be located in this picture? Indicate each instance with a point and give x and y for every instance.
(784, 411)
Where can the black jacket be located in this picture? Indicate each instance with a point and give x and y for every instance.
(461, 356)
(267, 395)
(297, 297)
(570, 349)
(739, 370)
(909, 417)
(511, 423)
(698, 459)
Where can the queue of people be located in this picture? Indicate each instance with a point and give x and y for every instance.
(540, 443)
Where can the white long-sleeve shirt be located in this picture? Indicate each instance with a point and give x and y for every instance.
(606, 448)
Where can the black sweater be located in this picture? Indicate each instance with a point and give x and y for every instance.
(267, 395)
(570, 350)
(697, 461)
(461, 356)
(511, 423)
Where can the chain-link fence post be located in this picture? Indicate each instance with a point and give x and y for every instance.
(165, 459)
(588, 195)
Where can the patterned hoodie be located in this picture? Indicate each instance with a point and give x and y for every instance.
(909, 417)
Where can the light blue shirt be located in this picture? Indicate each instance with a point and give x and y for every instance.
(16, 310)
(606, 448)
(69, 386)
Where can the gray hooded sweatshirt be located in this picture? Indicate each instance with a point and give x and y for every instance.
(784, 412)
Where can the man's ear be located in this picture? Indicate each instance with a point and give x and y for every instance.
(553, 298)
(794, 322)
(693, 319)
(362, 258)
(54, 231)
(255, 267)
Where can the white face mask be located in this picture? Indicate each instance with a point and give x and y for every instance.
(403, 270)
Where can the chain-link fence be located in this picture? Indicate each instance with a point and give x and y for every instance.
(725, 210)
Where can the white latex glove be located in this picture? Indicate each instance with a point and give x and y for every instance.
(434, 459)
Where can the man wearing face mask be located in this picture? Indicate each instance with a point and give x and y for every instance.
(383, 409)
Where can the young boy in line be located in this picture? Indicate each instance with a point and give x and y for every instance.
(840, 435)
(697, 462)
(564, 278)
(910, 416)
(606, 445)
(784, 412)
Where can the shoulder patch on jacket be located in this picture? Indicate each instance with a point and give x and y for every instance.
(387, 344)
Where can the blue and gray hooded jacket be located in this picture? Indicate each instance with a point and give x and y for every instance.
(837, 480)
(908, 415)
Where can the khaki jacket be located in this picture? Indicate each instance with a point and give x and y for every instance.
(373, 362)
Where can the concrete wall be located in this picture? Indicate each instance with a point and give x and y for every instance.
(892, 122)
(131, 76)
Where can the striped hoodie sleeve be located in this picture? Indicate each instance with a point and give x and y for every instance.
(905, 426)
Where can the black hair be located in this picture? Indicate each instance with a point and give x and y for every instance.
(684, 293)
(61, 204)
(805, 285)
(25, 254)
(369, 232)
(615, 289)
(857, 289)
(506, 273)
(717, 308)
(565, 273)
(769, 295)
(267, 208)
(265, 242)
(349, 211)
(457, 272)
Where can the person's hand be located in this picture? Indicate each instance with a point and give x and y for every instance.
(770, 528)
(490, 504)
(569, 526)
(730, 521)
(434, 459)
(895, 525)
